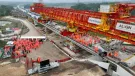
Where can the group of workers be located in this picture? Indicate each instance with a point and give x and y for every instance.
(85, 39)
(24, 46)
(114, 54)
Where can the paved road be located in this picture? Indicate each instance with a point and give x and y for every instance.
(32, 32)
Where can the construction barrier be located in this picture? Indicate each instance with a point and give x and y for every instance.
(63, 60)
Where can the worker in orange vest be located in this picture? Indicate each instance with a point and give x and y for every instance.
(17, 54)
(96, 49)
(38, 59)
(110, 54)
(115, 53)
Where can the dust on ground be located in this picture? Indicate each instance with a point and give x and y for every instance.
(75, 68)
(13, 69)
(47, 51)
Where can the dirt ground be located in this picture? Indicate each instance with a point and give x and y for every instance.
(75, 68)
(13, 69)
(57, 40)
(47, 51)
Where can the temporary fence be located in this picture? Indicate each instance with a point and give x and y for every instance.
(63, 60)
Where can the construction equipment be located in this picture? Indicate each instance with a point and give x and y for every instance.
(113, 21)
(39, 66)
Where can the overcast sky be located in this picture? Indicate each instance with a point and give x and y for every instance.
(59, 1)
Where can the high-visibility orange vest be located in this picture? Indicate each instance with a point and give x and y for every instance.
(109, 54)
(38, 59)
(115, 54)
(96, 49)
(18, 53)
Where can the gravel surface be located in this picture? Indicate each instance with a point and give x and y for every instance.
(75, 68)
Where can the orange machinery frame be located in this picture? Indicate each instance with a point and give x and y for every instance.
(79, 18)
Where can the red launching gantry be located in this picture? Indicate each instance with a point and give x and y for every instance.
(114, 21)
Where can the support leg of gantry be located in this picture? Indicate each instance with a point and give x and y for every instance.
(108, 39)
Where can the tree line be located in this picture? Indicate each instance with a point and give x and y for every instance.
(82, 6)
(92, 7)
(5, 10)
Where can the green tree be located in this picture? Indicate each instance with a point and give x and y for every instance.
(5, 10)
(91, 6)
(2, 43)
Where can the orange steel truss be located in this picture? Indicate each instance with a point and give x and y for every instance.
(79, 18)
